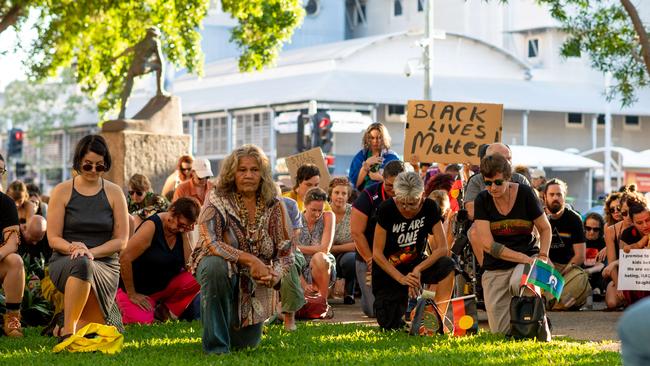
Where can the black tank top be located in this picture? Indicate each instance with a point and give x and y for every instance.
(155, 268)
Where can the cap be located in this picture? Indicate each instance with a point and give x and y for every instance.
(538, 173)
(202, 168)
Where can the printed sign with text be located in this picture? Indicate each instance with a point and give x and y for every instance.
(634, 270)
(313, 156)
(450, 132)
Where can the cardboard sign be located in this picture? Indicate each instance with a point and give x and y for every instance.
(313, 156)
(634, 270)
(450, 132)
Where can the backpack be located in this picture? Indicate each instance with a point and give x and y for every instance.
(528, 318)
(575, 292)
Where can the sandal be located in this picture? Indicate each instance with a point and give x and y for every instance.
(57, 319)
(62, 338)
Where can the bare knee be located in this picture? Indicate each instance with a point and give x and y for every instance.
(319, 261)
(13, 262)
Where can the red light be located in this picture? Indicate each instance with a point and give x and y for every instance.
(324, 122)
(18, 135)
(329, 160)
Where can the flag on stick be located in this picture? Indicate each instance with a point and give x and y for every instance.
(462, 312)
(546, 277)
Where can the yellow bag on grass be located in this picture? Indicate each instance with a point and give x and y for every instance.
(102, 338)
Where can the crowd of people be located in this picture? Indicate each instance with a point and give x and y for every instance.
(235, 250)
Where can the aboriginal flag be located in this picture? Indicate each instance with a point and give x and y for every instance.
(462, 312)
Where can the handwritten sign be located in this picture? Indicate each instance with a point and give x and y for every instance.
(313, 156)
(450, 132)
(634, 270)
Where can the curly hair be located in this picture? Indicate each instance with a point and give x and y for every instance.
(383, 133)
(614, 196)
(226, 181)
(338, 181)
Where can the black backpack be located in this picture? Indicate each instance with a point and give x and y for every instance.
(528, 318)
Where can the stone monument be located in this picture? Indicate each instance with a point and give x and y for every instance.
(151, 142)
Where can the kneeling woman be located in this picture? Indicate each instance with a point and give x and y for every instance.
(405, 224)
(153, 265)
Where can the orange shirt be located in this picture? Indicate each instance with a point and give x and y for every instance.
(188, 189)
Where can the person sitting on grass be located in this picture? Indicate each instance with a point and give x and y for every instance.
(154, 279)
(407, 223)
(315, 243)
(12, 272)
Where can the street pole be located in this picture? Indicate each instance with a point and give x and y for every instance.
(428, 51)
(607, 172)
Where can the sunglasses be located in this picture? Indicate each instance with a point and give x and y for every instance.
(590, 228)
(89, 167)
(615, 208)
(137, 193)
(624, 213)
(185, 169)
(496, 182)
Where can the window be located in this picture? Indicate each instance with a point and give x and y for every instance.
(533, 48)
(601, 120)
(574, 119)
(421, 5)
(211, 137)
(254, 128)
(397, 8)
(361, 14)
(395, 109)
(631, 120)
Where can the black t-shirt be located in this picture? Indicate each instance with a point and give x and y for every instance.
(35, 250)
(631, 235)
(406, 239)
(8, 213)
(368, 203)
(514, 230)
(567, 230)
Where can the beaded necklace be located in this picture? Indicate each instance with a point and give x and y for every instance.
(252, 228)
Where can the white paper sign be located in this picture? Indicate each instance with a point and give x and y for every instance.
(634, 270)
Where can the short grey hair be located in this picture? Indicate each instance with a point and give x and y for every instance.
(408, 185)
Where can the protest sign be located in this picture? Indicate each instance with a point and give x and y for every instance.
(634, 270)
(313, 156)
(450, 132)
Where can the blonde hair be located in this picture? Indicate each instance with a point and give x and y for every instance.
(226, 180)
(140, 182)
(383, 133)
(441, 197)
(17, 190)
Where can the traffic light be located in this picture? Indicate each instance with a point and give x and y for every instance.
(21, 169)
(322, 131)
(16, 137)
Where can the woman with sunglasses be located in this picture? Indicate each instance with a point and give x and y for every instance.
(615, 298)
(594, 226)
(141, 200)
(154, 278)
(88, 226)
(406, 225)
(180, 175)
(505, 215)
(613, 208)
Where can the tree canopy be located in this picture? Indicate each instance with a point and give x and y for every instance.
(613, 36)
(87, 35)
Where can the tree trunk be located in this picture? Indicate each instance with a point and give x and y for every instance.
(10, 18)
(640, 31)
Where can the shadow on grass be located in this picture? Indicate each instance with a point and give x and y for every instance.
(180, 344)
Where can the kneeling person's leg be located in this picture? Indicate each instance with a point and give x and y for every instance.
(217, 298)
(441, 273)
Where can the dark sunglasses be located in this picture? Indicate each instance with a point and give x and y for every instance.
(137, 193)
(594, 229)
(185, 169)
(615, 208)
(497, 182)
(89, 167)
(624, 213)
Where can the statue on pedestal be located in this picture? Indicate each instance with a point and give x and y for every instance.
(147, 58)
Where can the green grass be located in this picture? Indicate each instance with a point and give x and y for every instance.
(313, 344)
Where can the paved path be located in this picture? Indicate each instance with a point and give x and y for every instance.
(593, 325)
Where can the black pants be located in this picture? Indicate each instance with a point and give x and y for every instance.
(391, 297)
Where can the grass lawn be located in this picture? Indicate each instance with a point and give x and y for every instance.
(177, 344)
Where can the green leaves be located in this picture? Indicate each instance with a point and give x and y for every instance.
(263, 27)
(604, 30)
